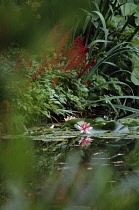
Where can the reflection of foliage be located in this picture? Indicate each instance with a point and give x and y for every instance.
(52, 179)
(132, 159)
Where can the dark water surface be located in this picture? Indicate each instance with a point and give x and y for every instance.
(70, 173)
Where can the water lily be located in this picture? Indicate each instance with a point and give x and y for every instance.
(52, 126)
(85, 141)
(69, 118)
(84, 127)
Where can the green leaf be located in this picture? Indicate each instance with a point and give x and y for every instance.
(116, 97)
(70, 123)
(135, 69)
(126, 108)
(112, 82)
(94, 15)
(112, 53)
(130, 122)
(137, 21)
(46, 114)
(128, 9)
(97, 41)
(103, 24)
(136, 15)
(108, 99)
(87, 20)
(115, 127)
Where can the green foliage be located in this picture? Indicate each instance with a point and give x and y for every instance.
(135, 69)
(19, 27)
(41, 98)
(53, 94)
(108, 29)
(36, 178)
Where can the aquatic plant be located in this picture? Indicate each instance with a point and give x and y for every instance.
(69, 118)
(84, 141)
(84, 127)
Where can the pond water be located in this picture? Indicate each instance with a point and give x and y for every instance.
(70, 172)
(115, 150)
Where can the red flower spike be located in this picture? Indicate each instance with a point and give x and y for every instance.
(63, 42)
(84, 82)
(73, 57)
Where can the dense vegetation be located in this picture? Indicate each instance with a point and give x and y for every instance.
(61, 58)
(69, 68)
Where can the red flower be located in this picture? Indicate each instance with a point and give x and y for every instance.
(73, 57)
(54, 80)
(84, 82)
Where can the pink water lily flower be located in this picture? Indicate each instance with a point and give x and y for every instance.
(69, 118)
(52, 126)
(85, 141)
(84, 127)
